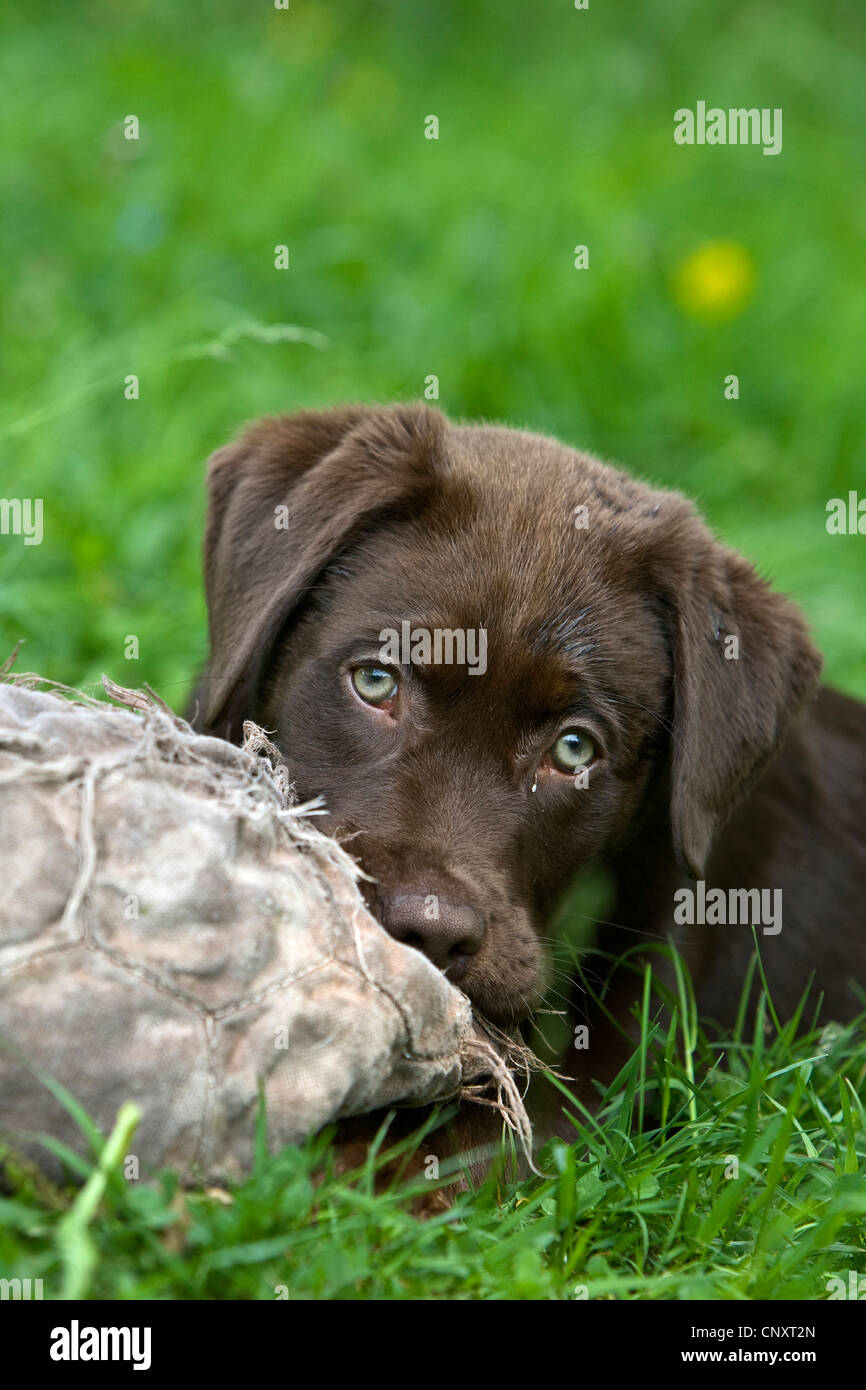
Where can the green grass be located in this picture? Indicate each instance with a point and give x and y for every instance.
(453, 257)
(735, 1171)
(411, 257)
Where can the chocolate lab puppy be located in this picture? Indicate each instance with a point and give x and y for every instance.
(621, 690)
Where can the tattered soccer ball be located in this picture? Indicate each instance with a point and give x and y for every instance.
(175, 933)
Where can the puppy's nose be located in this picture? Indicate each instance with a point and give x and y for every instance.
(448, 933)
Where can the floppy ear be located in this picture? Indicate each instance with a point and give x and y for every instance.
(743, 667)
(283, 500)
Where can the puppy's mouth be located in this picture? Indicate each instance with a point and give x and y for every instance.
(498, 1000)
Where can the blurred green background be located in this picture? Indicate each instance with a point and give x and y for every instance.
(411, 257)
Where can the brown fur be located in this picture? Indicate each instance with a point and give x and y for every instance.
(735, 771)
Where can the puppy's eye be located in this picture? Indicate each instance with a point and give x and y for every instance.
(573, 750)
(374, 684)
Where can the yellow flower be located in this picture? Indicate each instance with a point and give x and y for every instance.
(715, 281)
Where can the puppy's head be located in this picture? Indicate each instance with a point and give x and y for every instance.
(490, 654)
